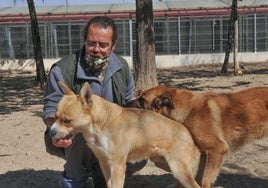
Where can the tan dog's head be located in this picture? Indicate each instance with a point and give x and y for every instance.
(158, 99)
(72, 113)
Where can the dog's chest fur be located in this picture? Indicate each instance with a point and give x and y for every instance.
(98, 141)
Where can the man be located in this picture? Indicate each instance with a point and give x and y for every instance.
(109, 77)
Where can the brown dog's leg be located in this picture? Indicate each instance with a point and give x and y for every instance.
(181, 170)
(213, 164)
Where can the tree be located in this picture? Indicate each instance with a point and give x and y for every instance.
(40, 68)
(232, 42)
(145, 67)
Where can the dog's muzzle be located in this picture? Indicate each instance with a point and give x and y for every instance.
(53, 133)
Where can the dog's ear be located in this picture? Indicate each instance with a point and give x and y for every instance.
(138, 93)
(67, 90)
(85, 94)
(163, 100)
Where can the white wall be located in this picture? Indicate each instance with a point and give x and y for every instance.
(195, 59)
(161, 61)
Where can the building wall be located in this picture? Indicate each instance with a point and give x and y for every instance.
(173, 36)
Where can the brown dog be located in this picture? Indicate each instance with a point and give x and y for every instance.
(117, 135)
(217, 121)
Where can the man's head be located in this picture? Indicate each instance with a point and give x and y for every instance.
(100, 36)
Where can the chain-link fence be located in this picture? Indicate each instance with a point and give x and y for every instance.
(172, 36)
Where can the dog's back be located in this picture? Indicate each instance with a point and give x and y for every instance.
(154, 133)
(243, 115)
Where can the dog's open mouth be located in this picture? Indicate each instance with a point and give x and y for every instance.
(68, 137)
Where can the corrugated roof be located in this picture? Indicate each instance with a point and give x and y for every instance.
(132, 6)
(6, 13)
(214, 4)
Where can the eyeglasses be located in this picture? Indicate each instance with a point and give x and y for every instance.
(101, 45)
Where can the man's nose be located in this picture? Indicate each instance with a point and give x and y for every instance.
(96, 48)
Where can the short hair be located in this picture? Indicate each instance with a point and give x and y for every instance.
(102, 22)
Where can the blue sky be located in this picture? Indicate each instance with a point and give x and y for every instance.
(10, 3)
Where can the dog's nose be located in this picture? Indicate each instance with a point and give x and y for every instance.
(52, 132)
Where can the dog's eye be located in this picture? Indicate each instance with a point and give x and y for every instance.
(66, 121)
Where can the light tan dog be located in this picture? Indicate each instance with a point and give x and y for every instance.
(117, 135)
(217, 121)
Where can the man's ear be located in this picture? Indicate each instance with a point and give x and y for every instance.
(114, 44)
(85, 94)
(163, 100)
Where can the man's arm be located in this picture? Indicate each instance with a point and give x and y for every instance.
(130, 88)
(53, 94)
(49, 120)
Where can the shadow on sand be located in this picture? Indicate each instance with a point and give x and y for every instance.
(166, 76)
(18, 91)
(49, 178)
(240, 181)
(29, 179)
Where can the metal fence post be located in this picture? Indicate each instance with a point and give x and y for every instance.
(130, 39)
(179, 35)
(255, 31)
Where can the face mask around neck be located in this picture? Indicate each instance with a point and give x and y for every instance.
(95, 64)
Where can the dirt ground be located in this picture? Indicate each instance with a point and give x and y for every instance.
(24, 162)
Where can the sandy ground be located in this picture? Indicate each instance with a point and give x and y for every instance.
(24, 162)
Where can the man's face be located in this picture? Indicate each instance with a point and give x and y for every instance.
(99, 41)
